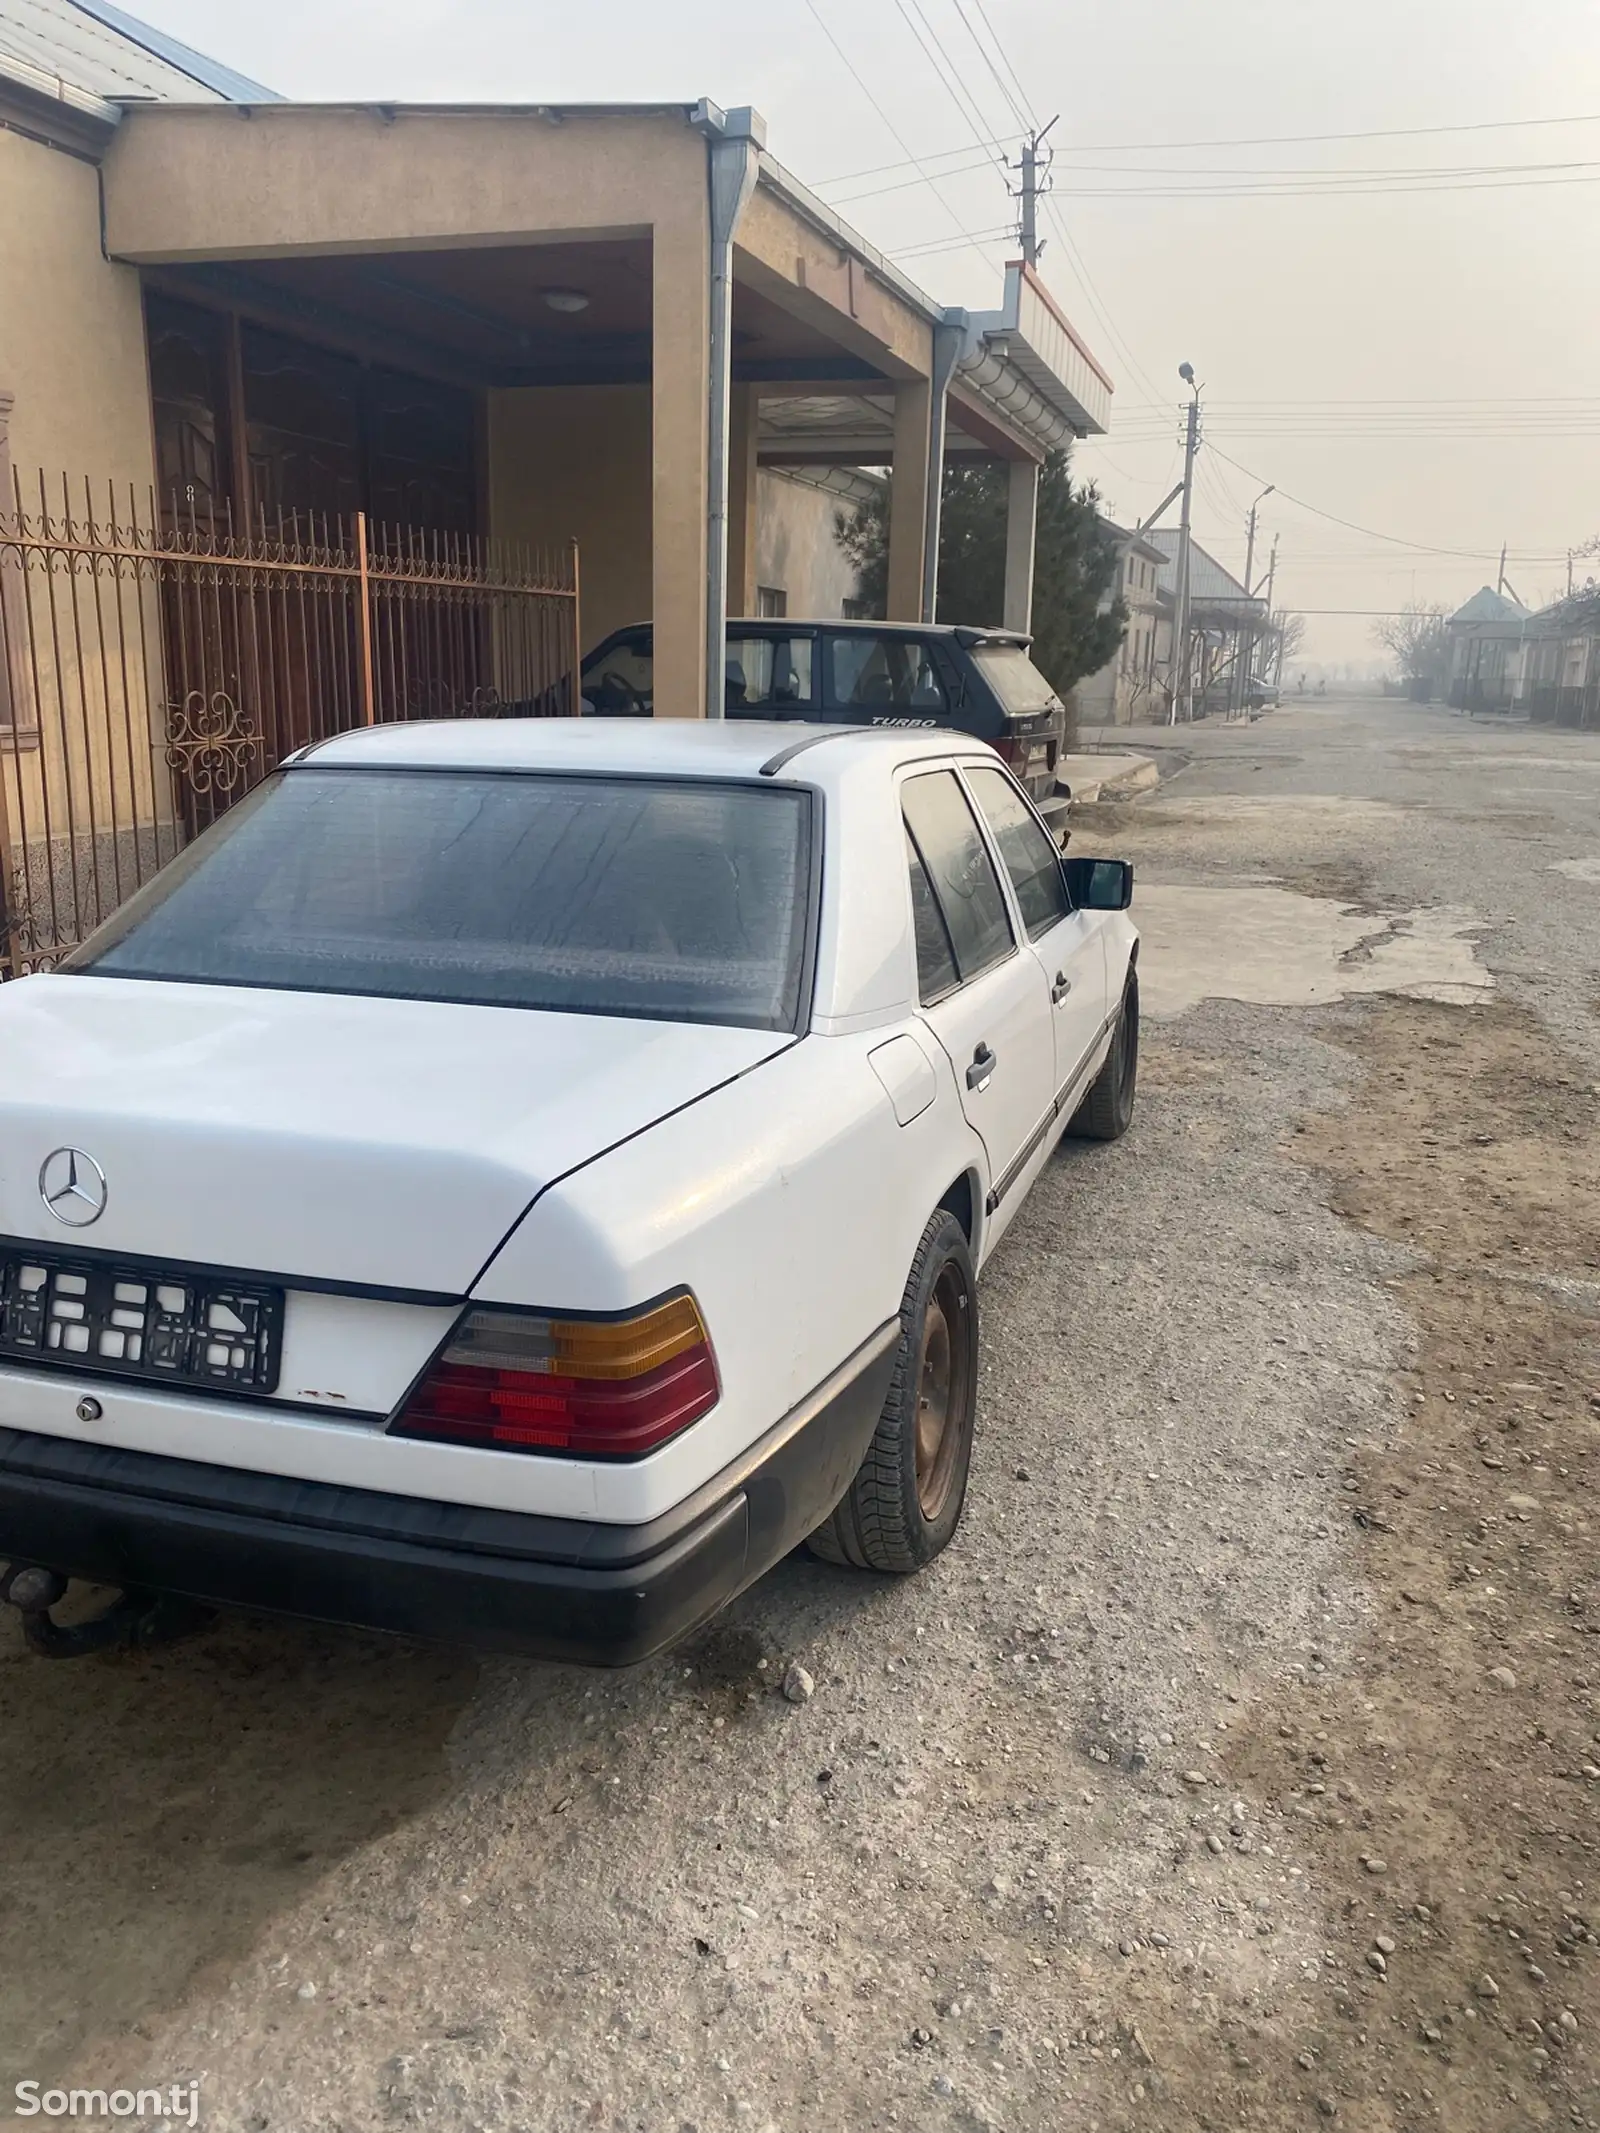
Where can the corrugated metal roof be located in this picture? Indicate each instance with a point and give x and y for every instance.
(1209, 584)
(1486, 605)
(94, 46)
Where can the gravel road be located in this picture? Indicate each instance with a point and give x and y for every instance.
(1237, 1767)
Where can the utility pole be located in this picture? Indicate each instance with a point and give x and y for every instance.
(1277, 656)
(1180, 620)
(1243, 676)
(1569, 573)
(1035, 183)
(1500, 582)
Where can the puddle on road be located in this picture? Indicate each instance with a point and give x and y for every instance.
(157, 1811)
(1273, 947)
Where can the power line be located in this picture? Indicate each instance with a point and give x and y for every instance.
(1374, 133)
(948, 73)
(1027, 104)
(954, 244)
(900, 185)
(894, 133)
(1006, 97)
(1394, 540)
(878, 170)
(1338, 190)
(1267, 140)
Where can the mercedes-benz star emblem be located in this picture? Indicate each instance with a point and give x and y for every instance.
(73, 1186)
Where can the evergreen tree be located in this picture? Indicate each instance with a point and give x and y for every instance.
(1076, 625)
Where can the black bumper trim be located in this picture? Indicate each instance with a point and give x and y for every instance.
(497, 1580)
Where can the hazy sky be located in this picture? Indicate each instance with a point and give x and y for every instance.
(1422, 362)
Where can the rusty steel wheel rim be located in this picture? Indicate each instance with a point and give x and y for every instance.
(941, 1388)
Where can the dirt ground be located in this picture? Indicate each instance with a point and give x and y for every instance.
(1446, 1775)
(1239, 1768)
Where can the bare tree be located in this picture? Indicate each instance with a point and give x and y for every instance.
(1290, 632)
(1419, 640)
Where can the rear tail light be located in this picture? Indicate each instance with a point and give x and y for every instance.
(591, 1388)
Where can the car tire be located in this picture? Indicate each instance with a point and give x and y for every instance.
(906, 1499)
(1107, 1111)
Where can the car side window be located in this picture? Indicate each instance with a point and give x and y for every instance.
(887, 675)
(1026, 851)
(769, 673)
(936, 961)
(622, 681)
(960, 872)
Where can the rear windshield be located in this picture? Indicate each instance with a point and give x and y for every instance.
(1021, 688)
(684, 902)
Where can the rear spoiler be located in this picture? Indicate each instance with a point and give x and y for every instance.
(968, 638)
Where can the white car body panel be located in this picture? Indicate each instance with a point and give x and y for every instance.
(791, 1208)
(386, 1143)
(559, 1162)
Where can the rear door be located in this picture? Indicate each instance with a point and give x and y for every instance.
(882, 679)
(983, 993)
(769, 673)
(1070, 945)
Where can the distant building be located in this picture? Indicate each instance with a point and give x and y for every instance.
(1126, 689)
(1487, 641)
(1224, 625)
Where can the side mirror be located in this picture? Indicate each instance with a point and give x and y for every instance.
(1099, 884)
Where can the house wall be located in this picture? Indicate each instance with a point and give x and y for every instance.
(797, 548)
(574, 462)
(83, 779)
(1124, 689)
(71, 325)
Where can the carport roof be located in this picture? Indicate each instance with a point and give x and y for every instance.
(96, 49)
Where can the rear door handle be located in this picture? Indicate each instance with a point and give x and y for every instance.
(1060, 989)
(982, 1067)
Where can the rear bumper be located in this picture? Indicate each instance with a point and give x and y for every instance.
(1056, 809)
(602, 1595)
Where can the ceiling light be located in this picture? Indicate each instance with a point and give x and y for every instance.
(566, 299)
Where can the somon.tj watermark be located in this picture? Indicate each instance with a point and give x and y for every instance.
(178, 2101)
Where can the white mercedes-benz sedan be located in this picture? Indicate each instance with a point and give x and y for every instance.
(513, 1182)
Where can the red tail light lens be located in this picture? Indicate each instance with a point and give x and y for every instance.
(591, 1388)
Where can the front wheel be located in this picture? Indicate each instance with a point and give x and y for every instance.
(906, 1499)
(1107, 1111)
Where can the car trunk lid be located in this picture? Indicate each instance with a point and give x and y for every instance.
(380, 1143)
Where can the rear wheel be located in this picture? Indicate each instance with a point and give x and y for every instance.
(906, 1499)
(1107, 1111)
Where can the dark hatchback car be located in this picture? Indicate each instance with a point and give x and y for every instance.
(979, 681)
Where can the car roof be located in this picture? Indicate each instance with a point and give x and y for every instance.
(637, 747)
(780, 625)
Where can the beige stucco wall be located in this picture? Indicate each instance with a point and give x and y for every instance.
(573, 462)
(204, 183)
(72, 360)
(71, 326)
(797, 549)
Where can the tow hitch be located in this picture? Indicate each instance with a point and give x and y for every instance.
(135, 1621)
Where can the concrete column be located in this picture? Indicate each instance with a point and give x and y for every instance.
(680, 407)
(743, 437)
(1022, 525)
(948, 341)
(908, 499)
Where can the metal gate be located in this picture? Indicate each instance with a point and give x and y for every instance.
(155, 665)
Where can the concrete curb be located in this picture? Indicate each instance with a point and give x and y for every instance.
(1095, 778)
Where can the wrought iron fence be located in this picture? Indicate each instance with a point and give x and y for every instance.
(1552, 704)
(155, 665)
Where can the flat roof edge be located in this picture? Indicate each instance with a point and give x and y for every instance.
(817, 212)
(56, 89)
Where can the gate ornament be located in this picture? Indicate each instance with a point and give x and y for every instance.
(211, 741)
